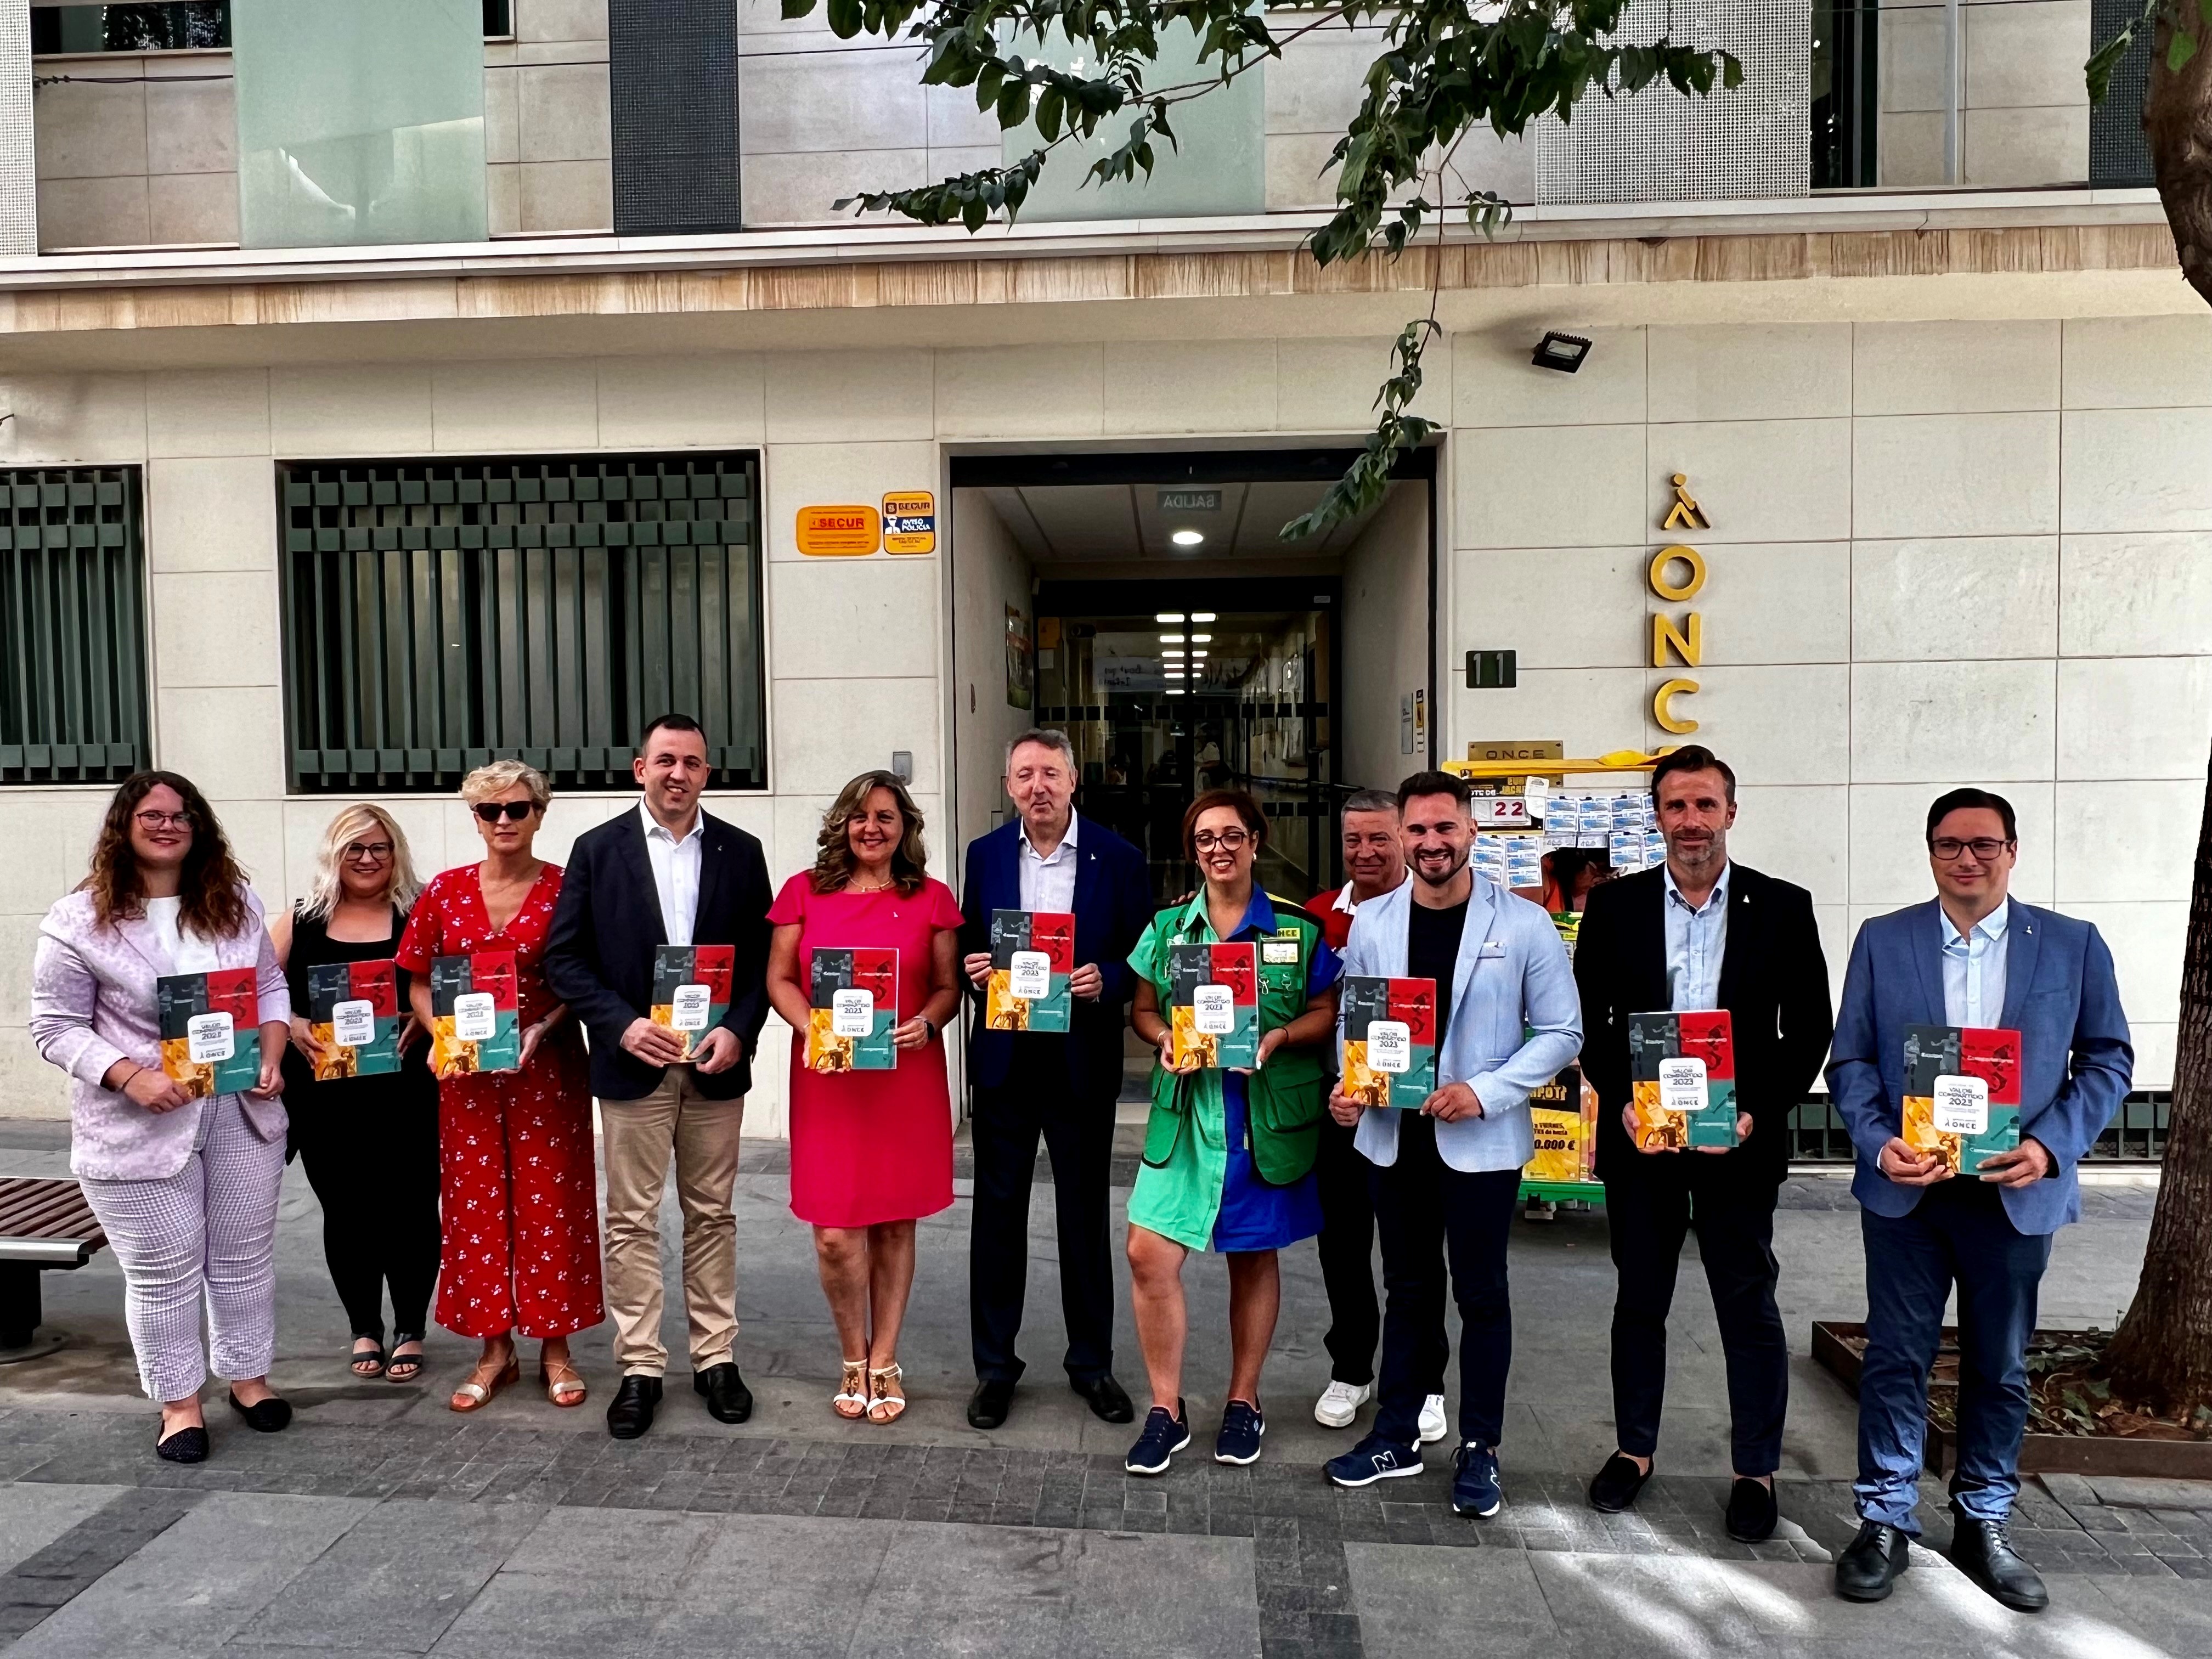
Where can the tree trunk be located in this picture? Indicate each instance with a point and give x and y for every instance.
(2177, 120)
(2163, 1353)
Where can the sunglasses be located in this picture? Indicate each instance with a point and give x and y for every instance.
(491, 812)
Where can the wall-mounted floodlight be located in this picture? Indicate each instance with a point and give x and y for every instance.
(1563, 352)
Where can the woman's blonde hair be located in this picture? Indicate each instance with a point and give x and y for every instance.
(834, 864)
(498, 777)
(400, 883)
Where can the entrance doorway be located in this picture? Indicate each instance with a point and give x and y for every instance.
(1146, 605)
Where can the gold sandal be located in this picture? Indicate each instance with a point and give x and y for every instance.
(472, 1395)
(851, 1399)
(563, 1387)
(885, 1403)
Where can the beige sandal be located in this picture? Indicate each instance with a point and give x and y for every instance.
(885, 1403)
(563, 1387)
(472, 1395)
(851, 1399)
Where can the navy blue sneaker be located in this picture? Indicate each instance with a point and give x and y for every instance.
(1373, 1459)
(1475, 1490)
(1242, 1425)
(1164, 1436)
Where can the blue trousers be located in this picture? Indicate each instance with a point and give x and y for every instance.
(1958, 1234)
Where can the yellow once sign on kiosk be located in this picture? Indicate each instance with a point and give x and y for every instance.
(910, 522)
(838, 531)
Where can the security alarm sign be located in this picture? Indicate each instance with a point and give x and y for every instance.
(838, 531)
(910, 522)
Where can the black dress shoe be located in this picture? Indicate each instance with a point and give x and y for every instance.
(1109, 1401)
(184, 1446)
(728, 1399)
(1613, 1488)
(1981, 1551)
(1865, 1571)
(988, 1405)
(266, 1415)
(1752, 1514)
(630, 1412)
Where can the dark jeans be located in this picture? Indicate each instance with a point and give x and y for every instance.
(1430, 1214)
(376, 1177)
(1347, 1255)
(1958, 1233)
(1648, 1217)
(1038, 1099)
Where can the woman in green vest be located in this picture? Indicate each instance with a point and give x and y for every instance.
(1228, 1152)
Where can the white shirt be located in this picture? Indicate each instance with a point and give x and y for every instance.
(675, 872)
(188, 952)
(1697, 943)
(1974, 968)
(1049, 883)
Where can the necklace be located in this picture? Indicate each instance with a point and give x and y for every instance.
(880, 887)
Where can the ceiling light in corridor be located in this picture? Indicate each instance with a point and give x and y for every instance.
(1188, 537)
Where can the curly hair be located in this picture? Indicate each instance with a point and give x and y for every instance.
(211, 885)
(834, 864)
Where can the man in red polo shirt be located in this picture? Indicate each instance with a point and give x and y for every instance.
(1374, 863)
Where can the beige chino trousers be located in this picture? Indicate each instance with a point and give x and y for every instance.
(637, 1139)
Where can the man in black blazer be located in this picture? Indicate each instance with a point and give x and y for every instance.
(1701, 932)
(665, 873)
(1062, 1086)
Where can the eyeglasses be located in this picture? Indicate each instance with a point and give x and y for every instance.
(367, 851)
(1228, 841)
(513, 810)
(164, 820)
(1984, 847)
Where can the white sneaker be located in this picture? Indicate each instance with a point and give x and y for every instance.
(1339, 1403)
(1433, 1420)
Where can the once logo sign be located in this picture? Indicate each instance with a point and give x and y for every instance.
(1685, 639)
(838, 531)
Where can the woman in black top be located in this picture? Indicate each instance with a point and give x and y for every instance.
(370, 1144)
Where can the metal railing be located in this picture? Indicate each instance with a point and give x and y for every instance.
(2136, 1134)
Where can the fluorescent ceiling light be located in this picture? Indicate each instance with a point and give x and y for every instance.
(1198, 656)
(1174, 673)
(1198, 639)
(1174, 690)
(1175, 639)
(1201, 615)
(1188, 537)
(1168, 616)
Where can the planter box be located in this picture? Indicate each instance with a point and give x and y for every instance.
(2040, 1453)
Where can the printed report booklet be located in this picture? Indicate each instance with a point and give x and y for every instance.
(1389, 1056)
(691, 990)
(1032, 955)
(355, 1012)
(1961, 1093)
(211, 1030)
(1213, 1004)
(476, 1020)
(852, 1006)
(1681, 1069)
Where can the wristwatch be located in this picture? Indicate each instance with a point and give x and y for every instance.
(927, 1027)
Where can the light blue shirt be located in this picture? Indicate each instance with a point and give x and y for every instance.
(1974, 969)
(1697, 941)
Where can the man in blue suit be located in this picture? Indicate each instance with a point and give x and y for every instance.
(1972, 957)
(1062, 1087)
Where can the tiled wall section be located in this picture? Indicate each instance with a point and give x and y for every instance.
(134, 164)
(2026, 107)
(1941, 553)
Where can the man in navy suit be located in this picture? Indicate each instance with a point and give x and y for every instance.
(1971, 958)
(1062, 1086)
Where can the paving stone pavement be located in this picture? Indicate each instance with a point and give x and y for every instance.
(382, 1520)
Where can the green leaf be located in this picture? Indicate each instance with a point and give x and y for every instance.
(2180, 49)
(796, 7)
(844, 18)
(2103, 61)
(1049, 105)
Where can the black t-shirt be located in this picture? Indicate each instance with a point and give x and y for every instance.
(1432, 952)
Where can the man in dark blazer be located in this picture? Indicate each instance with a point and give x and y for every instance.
(665, 873)
(1700, 932)
(1062, 1086)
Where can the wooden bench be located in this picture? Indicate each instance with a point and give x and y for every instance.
(43, 1224)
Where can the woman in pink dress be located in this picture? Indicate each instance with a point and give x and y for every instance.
(871, 1150)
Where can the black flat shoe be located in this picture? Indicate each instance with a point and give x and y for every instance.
(1752, 1514)
(1613, 1488)
(988, 1405)
(1872, 1563)
(1109, 1401)
(184, 1446)
(630, 1412)
(267, 1416)
(728, 1399)
(1981, 1551)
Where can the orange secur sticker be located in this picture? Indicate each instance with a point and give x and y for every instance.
(910, 522)
(838, 531)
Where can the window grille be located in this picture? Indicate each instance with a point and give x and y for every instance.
(439, 614)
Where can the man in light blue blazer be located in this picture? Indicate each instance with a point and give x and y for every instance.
(1447, 1178)
(1972, 957)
